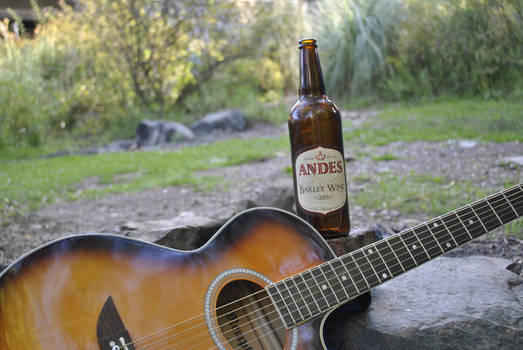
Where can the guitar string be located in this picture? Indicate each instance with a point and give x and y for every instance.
(380, 271)
(382, 258)
(263, 335)
(389, 253)
(274, 311)
(252, 330)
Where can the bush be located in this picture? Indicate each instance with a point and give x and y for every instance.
(418, 48)
(101, 68)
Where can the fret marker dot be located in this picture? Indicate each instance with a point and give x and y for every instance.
(343, 278)
(435, 224)
(414, 246)
(448, 245)
(323, 286)
(370, 251)
(384, 275)
(471, 222)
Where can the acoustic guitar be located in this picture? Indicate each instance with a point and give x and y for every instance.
(265, 280)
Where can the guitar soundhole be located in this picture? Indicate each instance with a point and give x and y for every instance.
(247, 319)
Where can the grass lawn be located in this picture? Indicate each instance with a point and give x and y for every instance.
(422, 193)
(497, 121)
(28, 181)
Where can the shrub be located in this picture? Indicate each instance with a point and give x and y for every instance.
(416, 48)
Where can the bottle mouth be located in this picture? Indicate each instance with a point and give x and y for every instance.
(307, 42)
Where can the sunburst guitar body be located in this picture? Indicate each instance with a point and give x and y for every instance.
(265, 280)
(110, 292)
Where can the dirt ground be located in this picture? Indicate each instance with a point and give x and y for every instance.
(477, 162)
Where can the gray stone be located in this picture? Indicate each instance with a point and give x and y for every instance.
(118, 146)
(467, 144)
(173, 131)
(512, 162)
(281, 197)
(227, 120)
(186, 231)
(148, 132)
(356, 239)
(449, 303)
(156, 132)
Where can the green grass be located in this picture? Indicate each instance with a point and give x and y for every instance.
(384, 157)
(31, 183)
(422, 193)
(498, 121)
(415, 193)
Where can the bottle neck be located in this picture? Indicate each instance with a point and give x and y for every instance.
(311, 77)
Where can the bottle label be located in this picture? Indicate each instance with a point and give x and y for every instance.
(320, 180)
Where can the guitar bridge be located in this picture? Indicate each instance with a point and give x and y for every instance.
(110, 330)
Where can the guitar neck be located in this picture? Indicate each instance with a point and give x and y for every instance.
(317, 290)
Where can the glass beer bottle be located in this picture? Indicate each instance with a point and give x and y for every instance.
(318, 162)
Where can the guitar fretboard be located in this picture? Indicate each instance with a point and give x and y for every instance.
(312, 292)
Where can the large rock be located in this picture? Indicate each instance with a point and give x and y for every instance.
(156, 132)
(187, 231)
(449, 303)
(226, 120)
(358, 238)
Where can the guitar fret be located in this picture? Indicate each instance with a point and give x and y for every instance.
(319, 298)
(462, 224)
(331, 276)
(459, 234)
(516, 193)
(300, 303)
(345, 277)
(432, 233)
(367, 273)
(426, 240)
(469, 219)
(502, 208)
(444, 236)
(418, 252)
(289, 302)
(477, 217)
(370, 263)
(384, 262)
(325, 288)
(407, 249)
(377, 262)
(281, 306)
(500, 222)
(355, 273)
(328, 282)
(484, 210)
(514, 210)
(308, 296)
(389, 258)
(395, 255)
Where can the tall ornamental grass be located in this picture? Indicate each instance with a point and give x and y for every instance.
(413, 48)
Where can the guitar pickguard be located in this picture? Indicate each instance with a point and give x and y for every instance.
(110, 330)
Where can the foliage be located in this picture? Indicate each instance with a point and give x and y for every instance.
(416, 48)
(168, 49)
(39, 87)
(105, 65)
(355, 43)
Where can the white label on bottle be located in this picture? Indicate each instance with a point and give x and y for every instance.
(320, 180)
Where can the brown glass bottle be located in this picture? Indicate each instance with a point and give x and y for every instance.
(318, 163)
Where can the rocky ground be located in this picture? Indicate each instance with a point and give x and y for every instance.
(266, 183)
